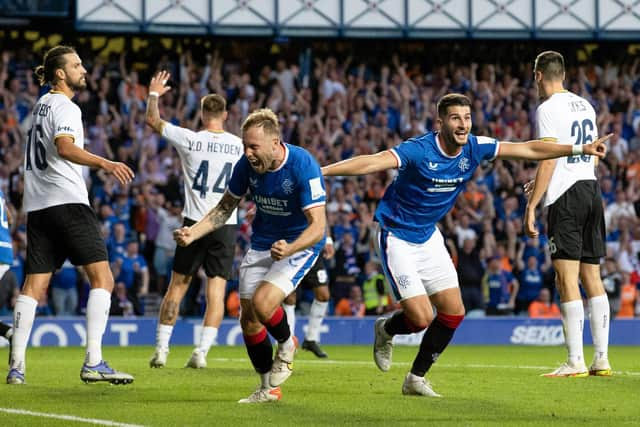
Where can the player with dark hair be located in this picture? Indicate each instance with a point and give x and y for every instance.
(60, 221)
(575, 217)
(432, 170)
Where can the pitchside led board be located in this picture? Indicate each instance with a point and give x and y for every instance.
(335, 330)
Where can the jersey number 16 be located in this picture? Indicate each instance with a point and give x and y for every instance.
(40, 156)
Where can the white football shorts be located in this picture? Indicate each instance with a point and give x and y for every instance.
(286, 274)
(414, 269)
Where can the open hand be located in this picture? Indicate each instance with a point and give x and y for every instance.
(121, 171)
(159, 81)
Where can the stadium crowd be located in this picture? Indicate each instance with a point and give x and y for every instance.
(335, 107)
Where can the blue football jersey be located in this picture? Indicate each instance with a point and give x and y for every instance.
(6, 244)
(428, 183)
(281, 196)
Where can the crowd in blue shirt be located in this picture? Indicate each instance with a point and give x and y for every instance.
(338, 107)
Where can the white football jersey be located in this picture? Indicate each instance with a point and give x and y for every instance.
(207, 161)
(50, 180)
(567, 119)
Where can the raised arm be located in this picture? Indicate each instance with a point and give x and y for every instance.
(362, 165)
(213, 220)
(157, 88)
(541, 150)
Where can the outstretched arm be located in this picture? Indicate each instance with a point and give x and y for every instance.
(540, 150)
(157, 88)
(214, 219)
(362, 165)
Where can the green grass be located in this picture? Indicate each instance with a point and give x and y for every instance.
(481, 385)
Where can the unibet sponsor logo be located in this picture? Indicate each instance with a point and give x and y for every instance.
(537, 335)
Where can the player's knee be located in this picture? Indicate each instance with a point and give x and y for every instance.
(291, 299)
(322, 294)
(262, 309)
(420, 321)
(250, 326)
(450, 320)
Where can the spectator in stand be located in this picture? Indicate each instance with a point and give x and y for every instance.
(117, 243)
(543, 307)
(470, 272)
(64, 290)
(131, 270)
(352, 306)
(629, 298)
(530, 272)
(500, 289)
(612, 282)
(376, 297)
(168, 220)
(339, 108)
(121, 304)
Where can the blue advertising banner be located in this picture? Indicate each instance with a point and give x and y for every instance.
(335, 330)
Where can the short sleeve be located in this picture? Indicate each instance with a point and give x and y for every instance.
(239, 182)
(178, 137)
(68, 122)
(487, 147)
(408, 153)
(544, 125)
(312, 191)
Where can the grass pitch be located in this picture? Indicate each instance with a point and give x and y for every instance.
(481, 385)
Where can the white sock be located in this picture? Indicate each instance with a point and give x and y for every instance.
(98, 306)
(599, 317)
(413, 377)
(264, 380)
(316, 315)
(573, 321)
(288, 345)
(207, 338)
(163, 335)
(290, 310)
(23, 314)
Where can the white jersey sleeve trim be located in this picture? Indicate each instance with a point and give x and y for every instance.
(489, 140)
(495, 154)
(393, 151)
(232, 194)
(313, 205)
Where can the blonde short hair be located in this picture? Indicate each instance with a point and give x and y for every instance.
(264, 118)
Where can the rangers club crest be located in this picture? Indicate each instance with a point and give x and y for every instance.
(404, 281)
(287, 186)
(463, 164)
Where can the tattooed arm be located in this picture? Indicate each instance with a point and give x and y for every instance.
(214, 219)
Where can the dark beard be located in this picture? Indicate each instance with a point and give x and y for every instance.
(78, 85)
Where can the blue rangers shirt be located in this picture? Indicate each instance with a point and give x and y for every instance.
(428, 183)
(6, 244)
(281, 196)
